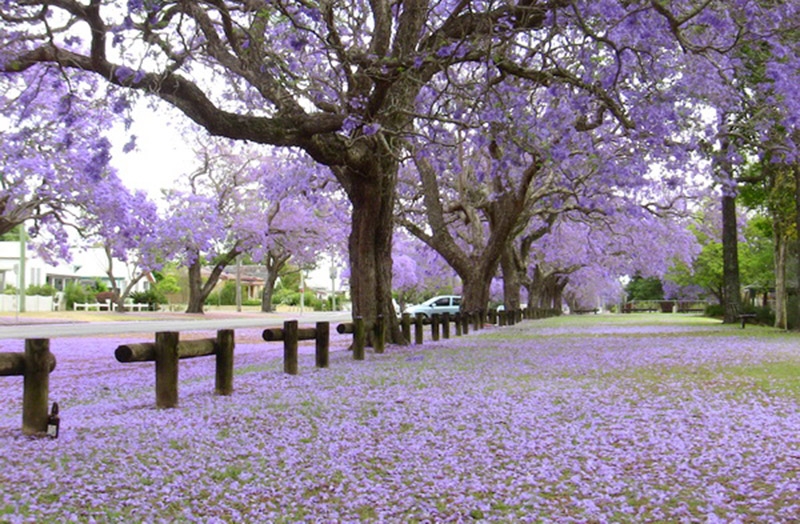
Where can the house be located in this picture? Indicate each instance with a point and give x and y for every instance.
(87, 266)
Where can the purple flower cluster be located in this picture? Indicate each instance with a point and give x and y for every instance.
(568, 420)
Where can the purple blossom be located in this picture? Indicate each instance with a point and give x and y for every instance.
(571, 420)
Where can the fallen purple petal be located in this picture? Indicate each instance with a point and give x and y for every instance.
(587, 420)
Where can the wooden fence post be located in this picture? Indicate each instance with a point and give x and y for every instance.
(465, 323)
(359, 338)
(322, 349)
(445, 325)
(379, 341)
(418, 328)
(166, 369)
(457, 321)
(36, 386)
(223, 384)
(435, 327)
(405, 324)
(290, 347)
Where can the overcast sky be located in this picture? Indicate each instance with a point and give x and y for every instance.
(161, 155)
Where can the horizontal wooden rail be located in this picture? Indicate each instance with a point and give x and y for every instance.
(13, 364)
(290, 334)
(35, 365)
(168, 350)
(146, 351)
(278, 334)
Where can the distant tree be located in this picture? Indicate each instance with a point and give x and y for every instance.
(644, 288)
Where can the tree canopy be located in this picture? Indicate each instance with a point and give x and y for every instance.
(523, 90)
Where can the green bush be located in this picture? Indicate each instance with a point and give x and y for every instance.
(76, 293)
(715, 310)
(45, 290)
(292, 298)
(227, 295)
(764, 315)
(152, 297)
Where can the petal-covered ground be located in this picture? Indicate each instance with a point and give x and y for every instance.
(641, 418)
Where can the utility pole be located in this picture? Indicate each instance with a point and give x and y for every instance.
(239, 283)
(22, 255)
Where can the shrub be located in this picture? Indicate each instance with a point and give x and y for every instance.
(764, 315)
(714, 310)
(75, 293)
(45, 290)
(152, 297)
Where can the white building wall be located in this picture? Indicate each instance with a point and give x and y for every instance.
(86, 264)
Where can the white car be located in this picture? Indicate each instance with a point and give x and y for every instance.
(436, 305)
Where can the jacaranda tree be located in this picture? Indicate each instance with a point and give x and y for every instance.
(340, 80)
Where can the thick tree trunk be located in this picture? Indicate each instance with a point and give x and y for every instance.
(274, 264)
(476, 287)
(780, 278)
(730, 260)
(794, 313)
(199, 290)
(196, 297)
(511, 280)
(546, 291)
(269, 290)
(370, 250)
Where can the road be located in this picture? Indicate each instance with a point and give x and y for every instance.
(28, 328)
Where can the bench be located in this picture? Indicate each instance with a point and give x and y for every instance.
(745, 316)
(584, 311)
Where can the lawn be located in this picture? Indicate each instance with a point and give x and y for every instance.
(596, 418)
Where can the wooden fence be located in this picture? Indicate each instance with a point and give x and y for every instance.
(35, 366)
(167, 350)
(36, 363)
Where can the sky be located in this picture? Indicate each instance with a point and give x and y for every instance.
(161, 155)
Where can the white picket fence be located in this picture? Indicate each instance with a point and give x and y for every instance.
(32, 303)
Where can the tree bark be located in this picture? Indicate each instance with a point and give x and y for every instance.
(196, 297)
(780, 249)
(730, 260)
(477, 286)
(372, 196)
(274, 264)
(199, 290)
(511, 280)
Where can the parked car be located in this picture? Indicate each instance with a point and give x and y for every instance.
(436, 305)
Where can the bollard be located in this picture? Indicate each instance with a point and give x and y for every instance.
(36, 386)
(405, 325)
(435, 327)
(445, 325)
(322, 347)
(418, 328)
(290, 347)
(166, 354)
(223, 375)
(359, 338)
